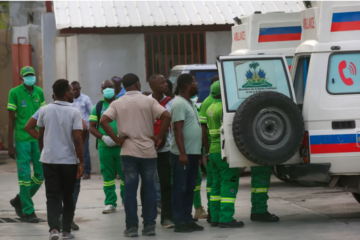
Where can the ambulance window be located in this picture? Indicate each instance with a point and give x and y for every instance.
(203, 80)
(342, 73)
(174, 75)
(244, 77)
(289, 61)
(300, 79)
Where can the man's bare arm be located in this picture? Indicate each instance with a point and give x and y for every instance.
(41, 138)
(94, 131)
(85, 130)
(30, 128)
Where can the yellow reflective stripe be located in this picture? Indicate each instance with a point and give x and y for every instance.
(108, 184)
(259, 190)
(215, 198)
(208, 189)
(36, 181)
(22, 183)
(93, 118)
(197, 188)
(43, 104)
(214, 131)
(228, 200)
(122, 182)
(203, 120)
(11, 105)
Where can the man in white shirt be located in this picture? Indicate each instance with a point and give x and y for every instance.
(61, 145)
(159, 87)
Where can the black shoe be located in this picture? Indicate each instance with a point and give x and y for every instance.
(31, 218)
(195, 219)
(214, 224)
(232, 224)
(74, 226)
(16, 203)
(183, 228)
(264, 217)
(131, 232)
(209, 216)
(195, 227)
(149, 231)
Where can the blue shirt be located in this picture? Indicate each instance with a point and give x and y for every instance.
(84, 105)
(121, 93)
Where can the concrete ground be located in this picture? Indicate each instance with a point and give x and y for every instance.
(306, 213)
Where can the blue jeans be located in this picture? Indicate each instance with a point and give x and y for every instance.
(146, 168)
(158, 191)
(184, 183)
(87, 168)
(76, 191)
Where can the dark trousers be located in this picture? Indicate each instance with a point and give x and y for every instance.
(184, 183)
(87, 161)
(164, 172)
(146, 168)
(76, 191)
(60, 182)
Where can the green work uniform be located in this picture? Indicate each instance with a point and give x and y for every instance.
(209, 178)
(260, 181)
(197, 192)
(25, 103)
(225, 180)
(109, 160)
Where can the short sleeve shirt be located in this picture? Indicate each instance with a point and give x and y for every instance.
(24, 105)
(59, 120)
(183, 110)
(135, 115)
(203, 108)
(214, 116)
(84, 105)
(94, 118)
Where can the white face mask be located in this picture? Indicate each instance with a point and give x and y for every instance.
(194, 99)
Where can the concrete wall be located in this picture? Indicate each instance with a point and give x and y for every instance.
(48, 31)
(217, 43)
(20, 13)
(91, 59)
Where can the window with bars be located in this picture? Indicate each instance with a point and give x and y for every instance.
(166, 50)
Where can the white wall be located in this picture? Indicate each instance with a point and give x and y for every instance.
(217, 43)
(91, 59)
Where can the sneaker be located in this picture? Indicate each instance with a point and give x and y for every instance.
(264, 217)
(200, 213)
(66, 235)
(232, 224)
(149, 231)
(183, 228)
(54, 234)
(195, 227)
(167, 224)
(86, 177)
(214, 224)
(16, 203)
(31, 218)
(131, 232)
(109, 209)
(74, 226)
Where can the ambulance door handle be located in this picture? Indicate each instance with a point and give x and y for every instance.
(223, 144)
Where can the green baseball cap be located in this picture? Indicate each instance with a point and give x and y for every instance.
(26, 70)
(215, 89)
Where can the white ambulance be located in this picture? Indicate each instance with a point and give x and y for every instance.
(265, 129)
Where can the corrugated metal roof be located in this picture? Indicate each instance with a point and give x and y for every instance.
(77, 14)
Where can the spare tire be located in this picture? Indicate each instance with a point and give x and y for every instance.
(268, 128)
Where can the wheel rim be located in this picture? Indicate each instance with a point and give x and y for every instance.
(271, 128)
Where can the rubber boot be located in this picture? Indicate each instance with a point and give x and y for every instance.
(264, 217)
(16, 203)
(232, 224)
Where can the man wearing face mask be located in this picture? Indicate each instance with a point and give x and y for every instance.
(109, 152)
(24, 101)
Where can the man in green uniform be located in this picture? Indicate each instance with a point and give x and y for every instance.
(24, 101)
(109, 152)
(225, 180)
(206, 145)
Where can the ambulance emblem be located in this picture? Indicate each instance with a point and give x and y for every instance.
(256, 78)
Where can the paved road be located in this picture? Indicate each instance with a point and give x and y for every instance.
(306, 213)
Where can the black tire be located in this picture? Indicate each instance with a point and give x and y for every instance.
(278, 172)
(268, 128)
(356, 196)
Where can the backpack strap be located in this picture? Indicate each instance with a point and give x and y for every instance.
(165, 101)
(98, 113)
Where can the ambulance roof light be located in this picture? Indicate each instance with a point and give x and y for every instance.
(335, 48)
(237, 20)
(257, 12)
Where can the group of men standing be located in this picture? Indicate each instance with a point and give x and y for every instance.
(137, 135)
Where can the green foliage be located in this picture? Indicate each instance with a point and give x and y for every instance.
(4, 14)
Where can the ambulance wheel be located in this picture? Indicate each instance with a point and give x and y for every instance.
(356, 196)
(279, 173)
(268, 128)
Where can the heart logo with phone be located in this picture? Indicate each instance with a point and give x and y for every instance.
(352, 69)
